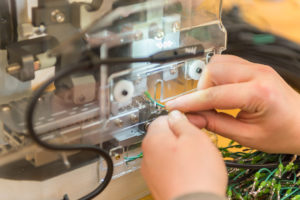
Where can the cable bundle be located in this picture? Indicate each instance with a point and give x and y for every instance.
(262, 47)
(257, 175)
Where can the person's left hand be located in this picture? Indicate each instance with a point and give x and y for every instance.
(180, 159)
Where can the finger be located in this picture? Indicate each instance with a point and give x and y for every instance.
(229, 58)
(231, 96)
(160, 127)
(158, 131)
(225, 69)
(180, 125)
(197, 120)
(225, 125)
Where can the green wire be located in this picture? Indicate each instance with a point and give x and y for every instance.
(263, 39)
(129, 159)
(240, 174)
(295, 177)
(271, 174)
(151, 99)
(290, 194)
(265, 169)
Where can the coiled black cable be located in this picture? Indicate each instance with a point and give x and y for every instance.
(54, 147)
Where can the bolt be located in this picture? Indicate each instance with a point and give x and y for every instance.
(58, 16)
(117, 156)
(119, 123)
(176, 26)
(159, 35)
(5, 108)
(134, 118)
(13, 69)
(42, 28)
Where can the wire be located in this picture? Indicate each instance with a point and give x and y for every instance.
(290, 194)
(129, 159)
(255, 166)
(262, 47)
(36, 138)
(152, 100)
(165, 56)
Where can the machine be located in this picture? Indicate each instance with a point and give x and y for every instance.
(80, 82)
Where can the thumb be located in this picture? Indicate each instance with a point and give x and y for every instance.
(180, 125)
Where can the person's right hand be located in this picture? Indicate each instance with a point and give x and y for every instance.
(270, 109)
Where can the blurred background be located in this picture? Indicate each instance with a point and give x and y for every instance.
(281, 17)
(266, 32)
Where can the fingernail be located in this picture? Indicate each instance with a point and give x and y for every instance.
(176, 116)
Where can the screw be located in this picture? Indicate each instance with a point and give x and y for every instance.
(160, 35)
(58, 16)
(119, 123)
(134, 119)
(176, 26)
(42, 28)
(5, 108)
(117, 156)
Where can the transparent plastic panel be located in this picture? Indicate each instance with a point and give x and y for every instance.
(110, 106)
(161, 25)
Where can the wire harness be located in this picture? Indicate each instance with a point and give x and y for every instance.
(258, 175)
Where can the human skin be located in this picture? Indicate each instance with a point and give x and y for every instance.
(270, 109)
(180, 159)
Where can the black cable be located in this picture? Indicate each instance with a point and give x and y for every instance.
(281, 54)
(255, 166)
(162, 57)
(250, 166)
(35, 137)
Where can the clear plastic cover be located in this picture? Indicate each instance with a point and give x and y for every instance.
(109, 105)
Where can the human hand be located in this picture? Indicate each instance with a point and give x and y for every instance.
(180, 159)
(270, 109)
